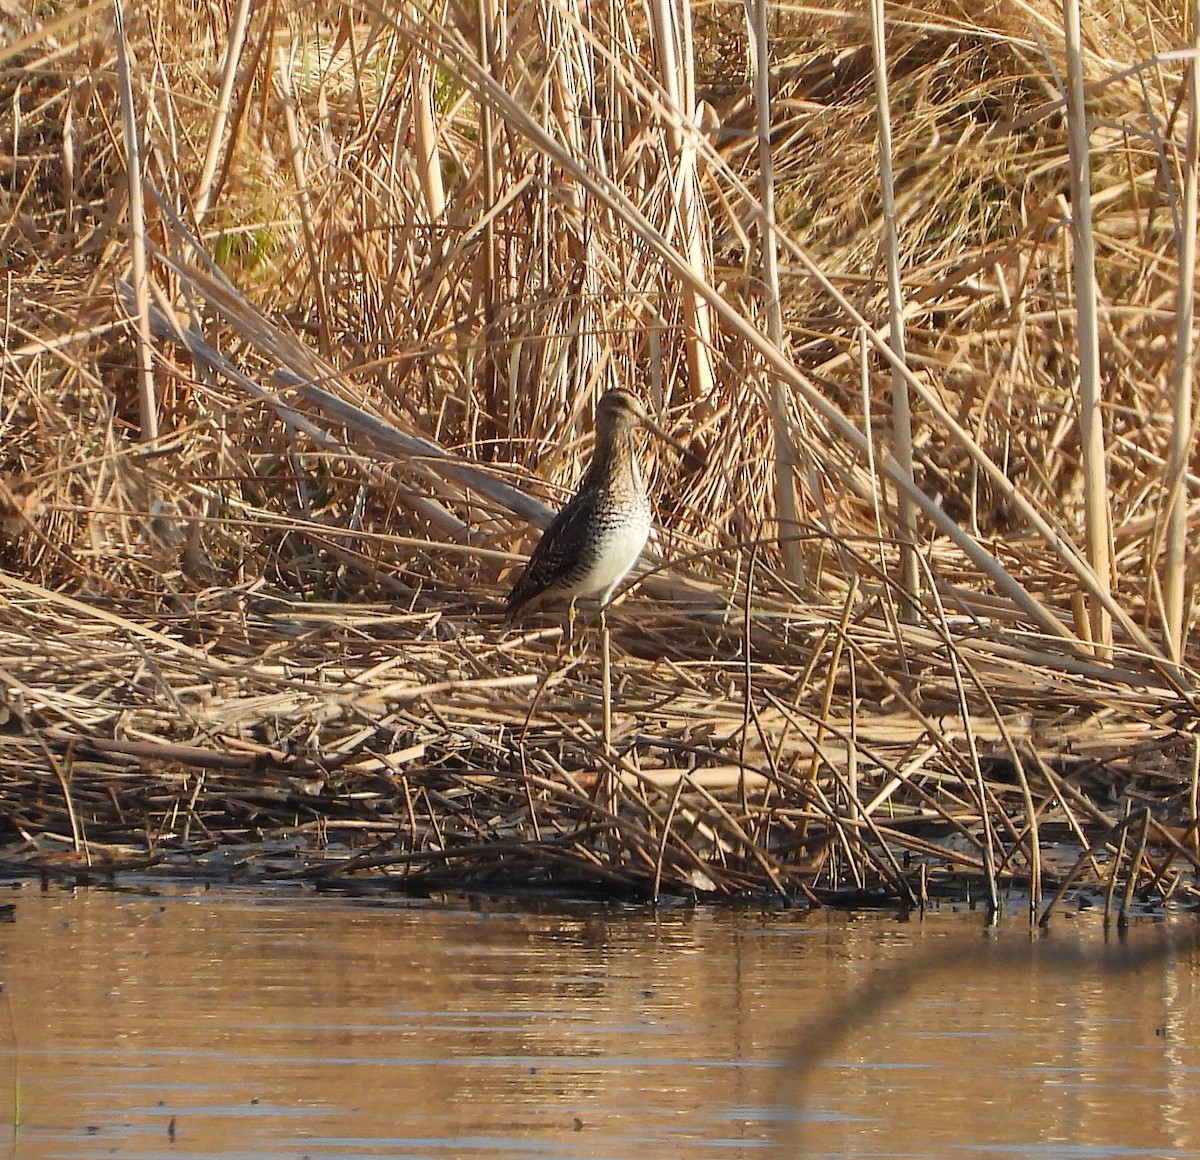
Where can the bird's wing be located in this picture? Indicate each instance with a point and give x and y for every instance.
(561, 545)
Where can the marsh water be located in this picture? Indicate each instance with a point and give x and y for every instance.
(218, 1024)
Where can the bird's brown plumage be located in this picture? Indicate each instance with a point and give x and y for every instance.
(590, 546)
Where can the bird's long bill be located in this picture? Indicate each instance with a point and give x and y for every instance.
(686, 453)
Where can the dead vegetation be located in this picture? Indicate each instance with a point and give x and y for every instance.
(259, 501)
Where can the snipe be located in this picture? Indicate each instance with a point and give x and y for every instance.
(591, 544)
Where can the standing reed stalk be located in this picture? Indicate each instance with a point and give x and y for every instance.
(297, 156)
(238, 23)
(140, 277)
(1182, 434)
(786, 499)
(1097, 519)
(490, 16)
(909, 577)
(425, 137)
(671, 21)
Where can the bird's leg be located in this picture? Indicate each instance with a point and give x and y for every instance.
(571, 624)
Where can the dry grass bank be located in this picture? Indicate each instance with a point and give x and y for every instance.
(392, 256)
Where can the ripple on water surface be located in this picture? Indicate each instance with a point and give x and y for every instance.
(229, 1026)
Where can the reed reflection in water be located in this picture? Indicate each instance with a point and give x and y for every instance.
(291, 1026)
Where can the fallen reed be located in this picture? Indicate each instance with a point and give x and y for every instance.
(249, 618)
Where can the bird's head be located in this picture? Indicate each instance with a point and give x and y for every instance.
(619, 410)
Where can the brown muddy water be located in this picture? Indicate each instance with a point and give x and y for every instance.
(220, 1024)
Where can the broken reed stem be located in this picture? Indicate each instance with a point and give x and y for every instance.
(606, 679)
(1034, 856)
(1114, 868)
(664, 837)
(909, 575)
(139, 276)
(840, 642)
(981, 790)
(854, 810)
(78, 840)
(1135, 865)
(1097, 523)
(1194, 794)
(610, 778)
(1117, 830)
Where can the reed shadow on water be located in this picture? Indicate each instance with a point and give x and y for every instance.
(947, 972)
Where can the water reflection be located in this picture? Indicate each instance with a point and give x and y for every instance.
(320, 1027)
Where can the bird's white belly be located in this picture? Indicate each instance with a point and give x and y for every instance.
(619, 551)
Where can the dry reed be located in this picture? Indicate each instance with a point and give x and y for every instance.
(393, 254)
